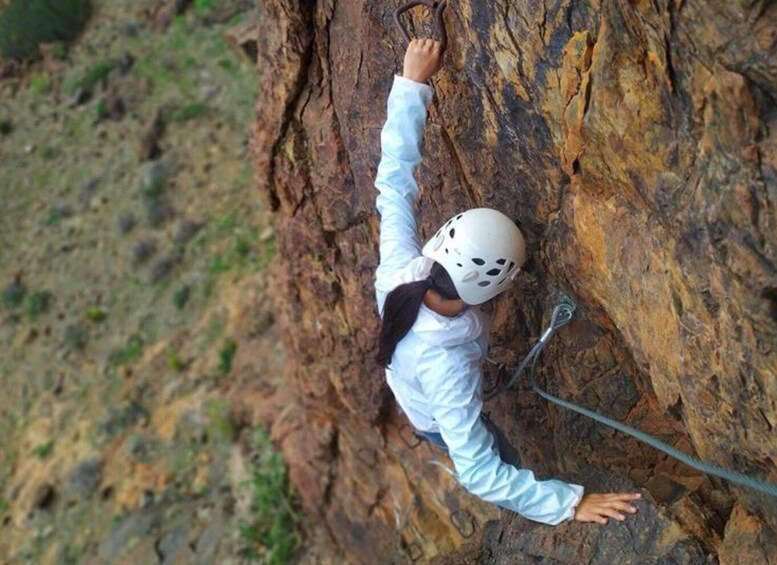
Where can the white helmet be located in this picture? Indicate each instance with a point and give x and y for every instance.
(481, 249)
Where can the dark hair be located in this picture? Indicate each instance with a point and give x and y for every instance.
(401, 309)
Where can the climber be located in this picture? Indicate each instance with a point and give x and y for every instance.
(434, 330)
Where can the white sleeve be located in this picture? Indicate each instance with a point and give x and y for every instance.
(398, 190)
(451, 381)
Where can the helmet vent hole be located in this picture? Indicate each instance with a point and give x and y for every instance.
(501, 261)
(459, 265)
(452, 232)
(478, 261)
(484, 283)
(500, 282)
(446, 250)
(494, 272)
(510, 266)
(459, 216)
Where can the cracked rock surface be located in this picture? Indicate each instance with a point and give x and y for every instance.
(636, 145)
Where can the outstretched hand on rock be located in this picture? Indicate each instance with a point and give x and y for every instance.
(423, 58)
(597, 507)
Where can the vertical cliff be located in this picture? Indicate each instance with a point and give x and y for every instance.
(636, 145)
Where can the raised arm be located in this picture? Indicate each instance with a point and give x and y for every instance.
(401, 154)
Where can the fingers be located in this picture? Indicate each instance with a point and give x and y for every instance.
(612, 513)
(427, 45)
(620, 497)
(623, 507)
(422, 59)
(599, 507)
(591, 517)
(616, 503)
(625, 495)
(602, 506)
(621, 502)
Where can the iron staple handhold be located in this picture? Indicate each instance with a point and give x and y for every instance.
(436, 8)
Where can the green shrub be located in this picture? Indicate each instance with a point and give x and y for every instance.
(14, 293)
(101, 109)
(52, 218)
(94, 75)
(181, 297)
(242, 246)
(188, 112)
(43, 450)
(174, 361)
(56, 212)
(131, 352)
(219, 264)
(26, 23)
(38, 84)
(203, 5)
(73, 554)
(273, 530)
(49, 153)
(120, 417)
(225, 356)
(95, 314)
(37, 303)
(75, 336)
(59, 50)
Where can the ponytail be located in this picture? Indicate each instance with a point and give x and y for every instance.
(401, 309)
(399, 314)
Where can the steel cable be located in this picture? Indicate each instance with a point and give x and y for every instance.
(562, 314)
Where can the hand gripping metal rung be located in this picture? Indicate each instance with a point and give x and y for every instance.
(436, 8)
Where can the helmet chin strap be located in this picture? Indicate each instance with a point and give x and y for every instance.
(444, 306)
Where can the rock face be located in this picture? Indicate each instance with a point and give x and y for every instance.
(636, 145)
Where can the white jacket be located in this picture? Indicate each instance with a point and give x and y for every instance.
(435, 371)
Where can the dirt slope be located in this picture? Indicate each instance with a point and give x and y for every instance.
(139, 353)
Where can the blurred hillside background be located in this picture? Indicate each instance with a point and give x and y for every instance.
(133, 258)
